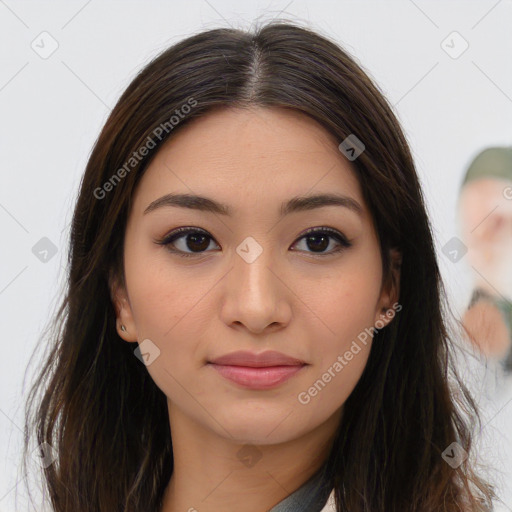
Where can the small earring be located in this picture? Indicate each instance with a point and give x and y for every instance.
(123, 328)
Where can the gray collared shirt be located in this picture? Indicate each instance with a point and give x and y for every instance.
(310, 497)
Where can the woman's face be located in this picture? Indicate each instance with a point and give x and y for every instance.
(250, 280)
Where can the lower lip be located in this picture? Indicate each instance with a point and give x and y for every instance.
(257, 378)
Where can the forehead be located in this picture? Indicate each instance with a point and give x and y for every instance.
(247, 157)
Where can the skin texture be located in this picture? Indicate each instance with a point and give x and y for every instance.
(485, 210)
(294, 301)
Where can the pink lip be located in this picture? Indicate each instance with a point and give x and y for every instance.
(265, 377)
(257, 371)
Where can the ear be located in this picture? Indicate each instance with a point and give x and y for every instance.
(388, 304)
(123, 309)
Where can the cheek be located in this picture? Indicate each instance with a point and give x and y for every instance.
(159, 296)
(167, 304)
(350, 318)
(167, 309)
(341, 336)
(344, 300)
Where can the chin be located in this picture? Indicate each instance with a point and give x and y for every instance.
(268, 428)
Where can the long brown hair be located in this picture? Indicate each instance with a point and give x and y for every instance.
(95, 403)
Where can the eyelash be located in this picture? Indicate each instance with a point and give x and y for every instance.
(181, 232)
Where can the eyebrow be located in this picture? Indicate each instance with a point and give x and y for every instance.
(295, 204)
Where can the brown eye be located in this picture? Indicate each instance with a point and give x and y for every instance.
(318, 240)
(187, 241)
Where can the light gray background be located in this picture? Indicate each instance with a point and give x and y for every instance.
(53, 109)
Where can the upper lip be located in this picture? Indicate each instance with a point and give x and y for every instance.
(264, 359)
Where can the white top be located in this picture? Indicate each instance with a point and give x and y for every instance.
(329, 506)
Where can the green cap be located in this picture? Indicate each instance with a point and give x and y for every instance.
(491, 162)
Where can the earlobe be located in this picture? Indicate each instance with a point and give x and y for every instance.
(125, 325)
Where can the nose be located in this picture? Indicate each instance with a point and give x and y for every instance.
(255, 295)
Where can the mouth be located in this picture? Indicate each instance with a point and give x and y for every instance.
(257, 371)
(264, 377)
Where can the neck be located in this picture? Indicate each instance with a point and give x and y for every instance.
(213, 473)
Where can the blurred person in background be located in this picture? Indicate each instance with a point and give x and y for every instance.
(485, 213)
